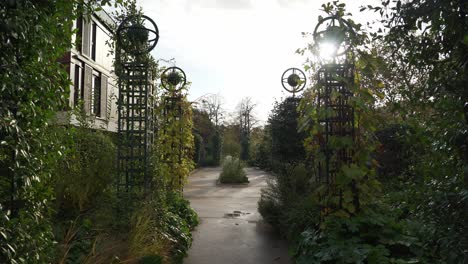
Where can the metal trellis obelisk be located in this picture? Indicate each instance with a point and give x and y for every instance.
(173, 80)
(335, 112)
(135, 106)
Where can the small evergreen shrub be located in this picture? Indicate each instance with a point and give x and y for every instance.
(233, 171)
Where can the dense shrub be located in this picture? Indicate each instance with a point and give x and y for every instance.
(286, 141)
(85, 201)
(372, 236)
(87, 168)
(207, 139)
(180, 206)
(425, 190)
(233, 171)
(163, 227)
(147, 231)
(281, 143)
(429, 78)
(287, 203)
(368, 237)
(396, 151)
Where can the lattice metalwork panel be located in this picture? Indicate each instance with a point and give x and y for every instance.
(336, 117)
(135, 128)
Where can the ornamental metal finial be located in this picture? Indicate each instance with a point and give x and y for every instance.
(334, 34)
(173, 77)
(293, 80)
(134, 37)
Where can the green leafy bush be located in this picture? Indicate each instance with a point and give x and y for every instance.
(85, 201)
(87, 167)
(173, 156)
(163, 227)
(369, 237)
(233, 171)
(396, 151)
(147, 231)
(180, 206)
(280, 142)
(287, 203)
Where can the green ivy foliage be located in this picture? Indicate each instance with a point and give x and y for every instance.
(356, 181)
(174, 144)
(34, 85)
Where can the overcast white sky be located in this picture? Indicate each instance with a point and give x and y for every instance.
(236, 48)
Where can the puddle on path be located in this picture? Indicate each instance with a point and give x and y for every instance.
(235, 214)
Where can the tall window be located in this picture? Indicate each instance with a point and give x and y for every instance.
(78, 85)
(96, 94)
(93, 41)
(79, 35)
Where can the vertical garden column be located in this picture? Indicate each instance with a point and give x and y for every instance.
(135, 109)
(335, 114)
(175, 138)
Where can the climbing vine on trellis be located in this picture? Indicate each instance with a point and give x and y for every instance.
(354, 185)
(174, 145)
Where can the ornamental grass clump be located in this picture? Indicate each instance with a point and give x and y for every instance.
(233, 171)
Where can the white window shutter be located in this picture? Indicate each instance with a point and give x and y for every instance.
(104, 110)
(86, 37)
(88, 87)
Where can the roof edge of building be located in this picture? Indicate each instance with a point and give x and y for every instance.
(105, 18)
